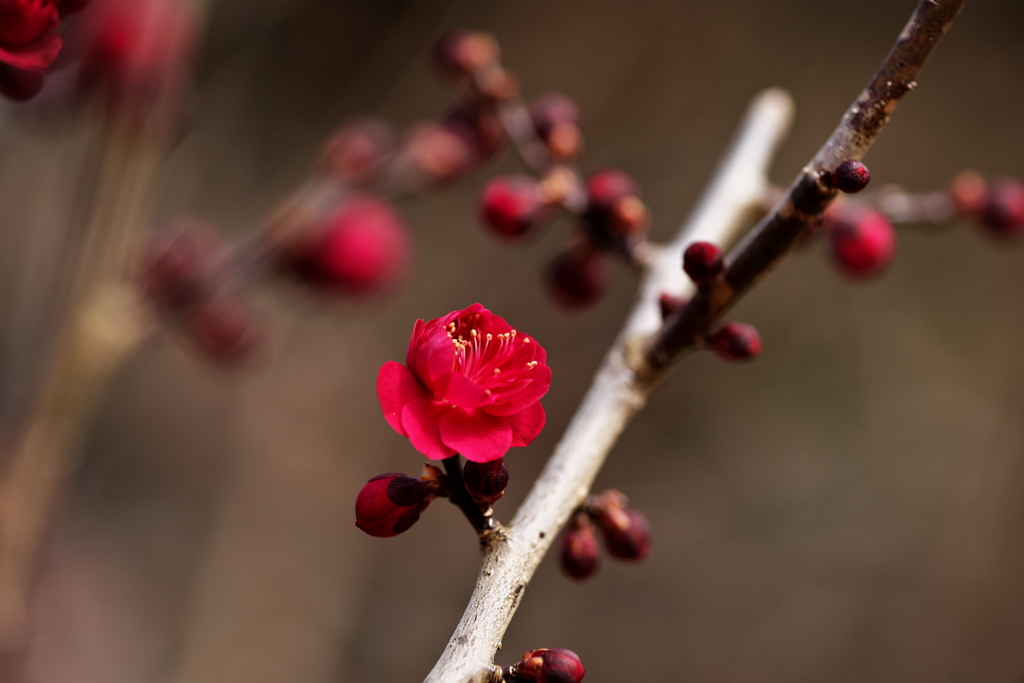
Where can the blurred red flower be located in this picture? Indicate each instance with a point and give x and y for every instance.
(27, 39)
(471, 385)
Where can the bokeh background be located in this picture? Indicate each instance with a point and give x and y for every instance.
(847, 508)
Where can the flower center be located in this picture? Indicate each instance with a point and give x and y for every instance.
(482, 356)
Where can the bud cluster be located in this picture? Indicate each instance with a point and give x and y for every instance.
(997, 206)
(183, 272)
(610, 215)
(390, 504)
(623, 529)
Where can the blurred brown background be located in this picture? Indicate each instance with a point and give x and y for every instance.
(848, 508)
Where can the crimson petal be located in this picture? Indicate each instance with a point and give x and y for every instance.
(476, 435)
(420, 419)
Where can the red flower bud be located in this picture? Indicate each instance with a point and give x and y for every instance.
(511, 205)
(438, 153)
(359, 247)
(224, 330)
(19, 85)
(551, 110)
(389, 504)
(850, 177)
(669, 304)
(578, 553)
(703, 262)
(556, 122)
(625, 530)
(861, 240)
(555, 665)
(462, 53)
(735, 341)
(476, 120)
(605, 188)
(577, 277)
(485, 481)
(1003, 211)
(359, 151)
(139, 50)
(969, 193)
(180, 266)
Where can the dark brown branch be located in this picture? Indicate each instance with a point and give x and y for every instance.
(808, 196)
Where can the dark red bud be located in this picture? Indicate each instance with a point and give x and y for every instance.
(554, 665)
(629, 216)
(438, 153)
(969, 193)
(553, 109)
(139, 49)
(565, 142)
(485, 481)
(735, 341)
(359, 151)
(498, 84)
(224, 330)
(577, 277)
(861, 240)
(851, 176)
(390, 503)
(360, 247)
(180, 265)
(461, 53)
(476, 120)
(605, 188)
(19, 85)
(669, 304)
(703, 262)
(578, 553)
(511, 206)
(625, 530)
(1003, 211)
(556, 122)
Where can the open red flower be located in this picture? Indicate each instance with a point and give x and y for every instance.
(471, 385)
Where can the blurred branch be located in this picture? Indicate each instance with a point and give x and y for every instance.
(512, 554)
(103, 324)
(809, 195)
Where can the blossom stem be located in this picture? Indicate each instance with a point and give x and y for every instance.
(482, 521)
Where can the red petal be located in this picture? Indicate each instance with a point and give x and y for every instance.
(526, 425)
(478, 436)
(531, 387)
(465, 393)
(417, 330)
(420, 418)
(438, 355)
(397, 386)
(35, 56)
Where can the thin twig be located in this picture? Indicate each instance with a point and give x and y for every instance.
(512, 555)
(808, 196)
